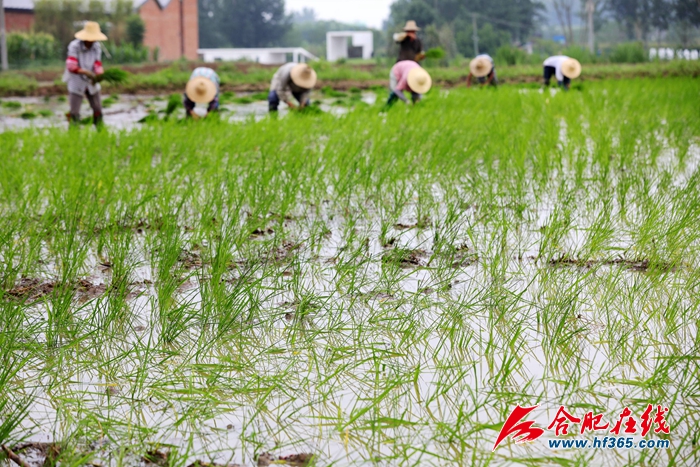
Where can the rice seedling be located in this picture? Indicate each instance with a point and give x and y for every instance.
(370, 288)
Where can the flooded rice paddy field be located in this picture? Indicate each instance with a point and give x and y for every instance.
(376, 288)
(130, 111)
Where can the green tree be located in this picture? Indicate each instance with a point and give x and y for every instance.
(242, 23)
(135, 30)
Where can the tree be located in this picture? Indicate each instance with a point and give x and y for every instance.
(564, 9)
(242, 23)
(135, 30)
(508, 20)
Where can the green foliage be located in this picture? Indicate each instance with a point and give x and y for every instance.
(126, 53)
(242, 23)
(435, 53)
(630, 52)
(509, 55)
(174, 103)
(330, 92)
(135, 30)
(12, 105)
(22, 48)
(115, 75)
(581, 54)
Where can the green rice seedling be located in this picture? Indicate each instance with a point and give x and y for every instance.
(28, 115)
(12, 105)
(385, 288)
(46, 113)
(115, 76)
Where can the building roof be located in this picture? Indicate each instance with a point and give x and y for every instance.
(161, 3)
(29, 4)
(18, 4)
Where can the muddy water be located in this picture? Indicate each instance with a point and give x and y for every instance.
(125, 111)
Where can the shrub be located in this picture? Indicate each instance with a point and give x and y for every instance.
(581, 54)
(126, 53)
(135, 30)
(629, 52)
(509, 55)
(23, 47)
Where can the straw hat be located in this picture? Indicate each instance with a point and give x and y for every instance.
(91, 33)
(303, 76)
(571, 68)
(419, 80)
(411, 26)
(480, 67)
(200, 90)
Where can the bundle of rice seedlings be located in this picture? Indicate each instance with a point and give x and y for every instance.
(114, 76)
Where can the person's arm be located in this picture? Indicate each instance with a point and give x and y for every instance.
(420, 53)
(469, 80)
(72, 64)
(490, 78)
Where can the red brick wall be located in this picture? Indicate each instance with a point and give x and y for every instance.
(191, 29)
(18, 20)
(163, 28)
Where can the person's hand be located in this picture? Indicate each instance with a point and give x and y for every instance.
(98, 78)
(194, 115)
(90, 75)
(291, 105)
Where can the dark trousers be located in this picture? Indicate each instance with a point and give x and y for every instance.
(393, 97)
(189, 105)
(273, 100)
(550, 71)
(76, 101)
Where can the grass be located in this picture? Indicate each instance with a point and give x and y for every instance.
(377, 288)
(238, 77)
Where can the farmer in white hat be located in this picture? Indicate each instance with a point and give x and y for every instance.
(202, 88)
(410, 47)
(83, 71)
(292, 80)
(483, 69)
(407, 75)
(563, 68)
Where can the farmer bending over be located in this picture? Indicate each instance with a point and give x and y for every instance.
(83, 71)
(563, 68)
(202, 88)
(292, 79)
(407, 75)
(483, 68)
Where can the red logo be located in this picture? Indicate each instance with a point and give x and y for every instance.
(523, 429)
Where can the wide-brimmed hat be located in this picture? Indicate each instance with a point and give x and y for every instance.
(304, 76)
(200, 90)
(571, 68)
(419, 80)
(91, 32)
(480, 67)
(411, 26)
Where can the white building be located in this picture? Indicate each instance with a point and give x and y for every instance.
(349, 44)
(269, 56)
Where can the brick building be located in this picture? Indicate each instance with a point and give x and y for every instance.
(19, 15)
(172, 26)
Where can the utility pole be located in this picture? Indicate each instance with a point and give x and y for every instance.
(590, 9)
(3, 38)
(476, 35)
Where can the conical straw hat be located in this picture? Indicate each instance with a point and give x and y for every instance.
(91, 33)
(480, 67)
(201, 90)
(411, 26)
(304, 76)
(571, 68)
(419, 80)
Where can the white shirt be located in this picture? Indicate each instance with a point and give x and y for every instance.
(556, 61)
(486, 56)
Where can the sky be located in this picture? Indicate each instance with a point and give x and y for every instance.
(370, 12)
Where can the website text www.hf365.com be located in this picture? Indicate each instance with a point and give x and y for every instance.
(609, 442)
